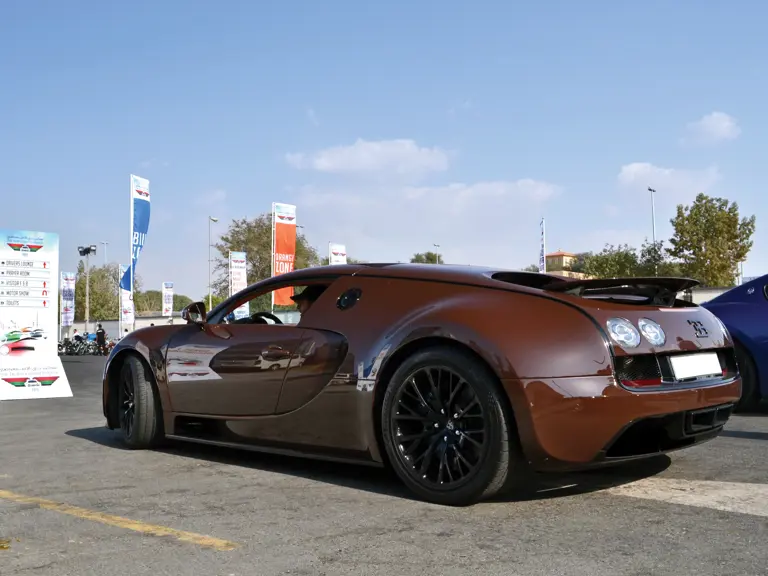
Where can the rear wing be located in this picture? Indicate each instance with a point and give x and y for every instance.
(650, 290)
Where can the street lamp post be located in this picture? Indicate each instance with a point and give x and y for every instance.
(438, 252)
(87, 251)
(211, 220)
(653, 212)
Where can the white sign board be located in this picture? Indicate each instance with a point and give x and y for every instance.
(337, 253)
(167, 298)
(30, 366)
(238, 280)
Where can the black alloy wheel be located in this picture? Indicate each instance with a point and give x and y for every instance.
(139, 410)
(440, 427)
(126, 401)
(445, 428)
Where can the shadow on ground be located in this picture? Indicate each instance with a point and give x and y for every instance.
(382, 481)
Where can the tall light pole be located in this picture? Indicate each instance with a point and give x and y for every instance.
(653, 222)
(211, 220)
(105, 251)
(87, 251)
(653, 212)
(438, 252)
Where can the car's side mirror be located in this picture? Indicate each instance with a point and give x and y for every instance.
(194, 313)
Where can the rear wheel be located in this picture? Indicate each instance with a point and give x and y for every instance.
(750, 391)
(446, 430)
(140, 414)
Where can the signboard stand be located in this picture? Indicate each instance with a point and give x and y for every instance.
(30, 366)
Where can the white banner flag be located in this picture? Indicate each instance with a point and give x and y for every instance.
(68, 282)
(238, 280)
(167, 298)
(126, 302)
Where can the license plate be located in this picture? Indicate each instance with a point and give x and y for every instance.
(694, 365)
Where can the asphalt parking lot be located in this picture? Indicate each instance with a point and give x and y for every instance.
(73, 502)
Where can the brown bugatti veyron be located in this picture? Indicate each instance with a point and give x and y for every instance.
(459, 378)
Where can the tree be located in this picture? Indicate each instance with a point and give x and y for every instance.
(427, 258)
(102, 299)
(180, 301)
(531, 268)
(653, 261)
(612, 262)
(254, 237)
(710, 240)
(578, 265)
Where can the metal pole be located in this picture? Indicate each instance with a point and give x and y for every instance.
(105, 251)
(653, 212)
(87, 290)
(210, 222)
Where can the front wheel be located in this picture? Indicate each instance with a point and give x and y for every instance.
(446, 430)
(141, 417)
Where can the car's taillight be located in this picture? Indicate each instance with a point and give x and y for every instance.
(642, 383)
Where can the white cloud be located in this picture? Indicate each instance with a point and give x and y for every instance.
(669, 182)
(485, 223)
(384, 157)
(712, 128)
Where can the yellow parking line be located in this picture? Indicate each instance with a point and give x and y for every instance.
(125, 523)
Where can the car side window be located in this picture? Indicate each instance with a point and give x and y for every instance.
(258, 309)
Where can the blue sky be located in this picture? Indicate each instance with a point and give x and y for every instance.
(392, 125)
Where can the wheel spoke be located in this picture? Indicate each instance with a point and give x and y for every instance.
(439, 426)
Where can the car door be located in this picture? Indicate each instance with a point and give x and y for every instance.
(312, 366)
(230, 369)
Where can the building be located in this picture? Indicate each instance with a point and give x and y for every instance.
(559, 264)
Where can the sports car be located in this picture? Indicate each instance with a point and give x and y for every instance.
(743, 310)
(462, 379)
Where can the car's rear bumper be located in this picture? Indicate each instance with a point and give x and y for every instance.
(573, 423)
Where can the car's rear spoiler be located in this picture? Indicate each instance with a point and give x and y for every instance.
(628, 286)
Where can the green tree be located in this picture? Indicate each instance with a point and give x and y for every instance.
(710, 240)
(653, 261)
(612, 262)
(531, 268)
(254, 237)
(578, 265)
(426, 258)
(102, 299)
(180, 301)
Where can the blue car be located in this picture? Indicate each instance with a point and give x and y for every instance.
(744, 311)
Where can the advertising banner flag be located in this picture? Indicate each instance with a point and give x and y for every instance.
(30, 366)
(542, 249)
(238, 280)
(139, 227)
(283, 248)
(337, 253)
(68, 282)
(127, 316)
(167, 298)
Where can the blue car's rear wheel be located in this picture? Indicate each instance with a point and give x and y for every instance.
(750, 391)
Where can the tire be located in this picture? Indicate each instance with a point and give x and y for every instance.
(405, 419)
(145, 428)
(750, 392)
